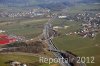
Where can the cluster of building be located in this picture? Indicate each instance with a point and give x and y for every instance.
(8, 39)
(90, 26)
(90, 23)
(88, 30)
(26, 13)
(86, 16)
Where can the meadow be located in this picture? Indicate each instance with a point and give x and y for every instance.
(20, 57)
(27, 28)
(83, 47)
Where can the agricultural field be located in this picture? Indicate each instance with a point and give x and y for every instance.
(28, 28)
(20, 57)
(83, 47)
(72, 25)
(80, 46)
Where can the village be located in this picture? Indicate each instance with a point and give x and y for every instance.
(89, 24)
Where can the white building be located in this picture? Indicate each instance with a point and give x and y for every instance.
(62, 16)
(15, 63)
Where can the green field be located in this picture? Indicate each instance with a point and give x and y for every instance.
(80, 46)
(27, 58)
(76, 44)
(87, 47)
(73, 25)
(27, 28)
(16, 57)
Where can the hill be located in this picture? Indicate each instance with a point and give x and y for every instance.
(89, 1)
(50, 4)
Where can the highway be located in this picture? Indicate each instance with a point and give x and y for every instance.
(47, 28)
(51, 45)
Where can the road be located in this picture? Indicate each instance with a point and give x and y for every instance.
(51, 45)
(46, 30)
(8, 48)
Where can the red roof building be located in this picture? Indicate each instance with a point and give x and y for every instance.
(5, 39)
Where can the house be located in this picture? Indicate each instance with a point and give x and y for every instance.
(62, 16)
(5, 39)
(15, 63)
(57, 27)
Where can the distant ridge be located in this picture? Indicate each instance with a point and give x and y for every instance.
(50, 4)
(89, 1)
(39, 2)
